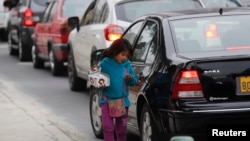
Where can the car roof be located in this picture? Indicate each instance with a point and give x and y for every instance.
(204, 11)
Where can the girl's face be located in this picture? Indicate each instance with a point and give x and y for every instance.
(122, 56)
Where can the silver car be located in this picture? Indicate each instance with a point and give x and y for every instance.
(103, 22)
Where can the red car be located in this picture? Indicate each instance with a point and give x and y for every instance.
(51, 34)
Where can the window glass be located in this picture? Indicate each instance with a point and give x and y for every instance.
(131, 33)
(46, 13)
(74, 7)
(222, 33)
(129, 11)
(40, 2)
(221, 3)
(88, 16)
(145, 48)
(38, 5)
(24, 2)
(98, 11)
(105, 13)
(52, 12)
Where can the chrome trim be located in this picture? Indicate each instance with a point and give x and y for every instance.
(206, 111)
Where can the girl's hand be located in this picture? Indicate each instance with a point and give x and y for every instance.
(128, 77)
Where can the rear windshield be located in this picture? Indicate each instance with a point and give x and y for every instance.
(74, 7)
(38, 5)
(222, 33)
(222, 3)
(129, 11)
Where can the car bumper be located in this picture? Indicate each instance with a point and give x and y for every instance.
(26, 34)
(196, 123)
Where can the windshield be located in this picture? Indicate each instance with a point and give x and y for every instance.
(74, 7)
(129, 11)
(222, 33)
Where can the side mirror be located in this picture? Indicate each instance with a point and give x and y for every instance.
(74, 22)
(182, 138)
(96, 56)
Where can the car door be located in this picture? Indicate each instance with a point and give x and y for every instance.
(47, 28)
(40, 37)
(142, 59)
(81, 43)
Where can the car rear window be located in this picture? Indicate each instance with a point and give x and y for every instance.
(222, 3)
(129, 11)
(222, 33)
(74, 7)
(38, 5)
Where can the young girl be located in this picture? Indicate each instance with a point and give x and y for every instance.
(115, 63)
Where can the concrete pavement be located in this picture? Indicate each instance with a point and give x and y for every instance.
(23, 119)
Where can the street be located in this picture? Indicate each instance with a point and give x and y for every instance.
(69, 110)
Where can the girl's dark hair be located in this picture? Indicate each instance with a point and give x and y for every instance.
(117, 47)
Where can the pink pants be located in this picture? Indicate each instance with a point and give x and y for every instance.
(114, 125)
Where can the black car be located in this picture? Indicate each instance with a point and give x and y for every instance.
(24, 16)
(194, 72)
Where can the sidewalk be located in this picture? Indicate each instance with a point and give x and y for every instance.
(21, 119)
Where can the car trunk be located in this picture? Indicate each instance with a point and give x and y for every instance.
(225, 80)
(225, 84)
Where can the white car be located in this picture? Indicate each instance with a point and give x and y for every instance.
(4, 18)
(103, 22)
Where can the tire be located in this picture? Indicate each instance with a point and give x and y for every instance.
(148, 128)
(95, 113)
(75, 83)
(4, 36)
(55, 67)
(24, 53)
(37, 62)
(12, 51)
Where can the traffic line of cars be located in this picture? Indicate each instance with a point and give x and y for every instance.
(191, 60)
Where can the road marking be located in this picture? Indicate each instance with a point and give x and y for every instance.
(3, 46)
(25, 63)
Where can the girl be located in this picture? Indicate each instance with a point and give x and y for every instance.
(116, 64)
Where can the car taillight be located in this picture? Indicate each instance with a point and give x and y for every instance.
(113, 32)
(187, 85)
(28, 18)
(64, 28)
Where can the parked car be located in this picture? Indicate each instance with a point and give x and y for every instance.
(103, 22)
(193, 67)
(24, 16)
(4, 18)
(51, 34)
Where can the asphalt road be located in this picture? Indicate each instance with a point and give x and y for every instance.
(53, 93)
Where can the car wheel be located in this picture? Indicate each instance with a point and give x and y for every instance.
(20, 51)
(37, 62)
(95, 113)
(55, 67)
(4, 36)
(24, 54)
(12, 51)
(148, 128)
(75, 83)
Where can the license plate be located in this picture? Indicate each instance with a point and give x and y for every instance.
(244, 84)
